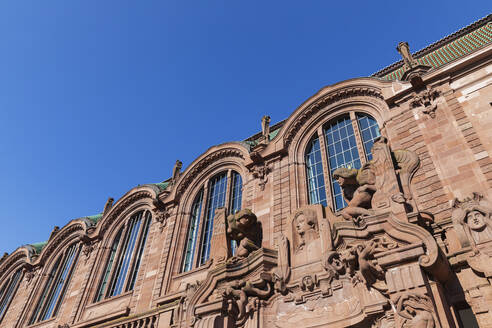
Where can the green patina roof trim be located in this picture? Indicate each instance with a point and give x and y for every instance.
(94, 218)
(161, 185)
(465, 41)
(39, 246)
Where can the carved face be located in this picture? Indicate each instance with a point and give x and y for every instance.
(304, 222)
(475, 220)
(308, 282)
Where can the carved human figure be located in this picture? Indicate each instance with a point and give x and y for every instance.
(306, 226)
(473, 216)
(244, 228)
(358, 188)
(415, 311)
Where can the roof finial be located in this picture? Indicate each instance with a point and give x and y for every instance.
(265, 127)
(108, 205)
(176, 171)
(404, 49)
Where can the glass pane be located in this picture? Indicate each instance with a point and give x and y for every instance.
(196, 209)
(369, 131)
(342, 153)
(236, 198)
(46, 290)
(107, 270)
(141, 246)
(216, 199)
(236, 193)
(126, 253)
(314, 173)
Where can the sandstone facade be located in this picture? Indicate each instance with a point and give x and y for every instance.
(370, 206)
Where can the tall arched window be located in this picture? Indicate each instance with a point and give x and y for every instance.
(224, 188)
(7, 292)
(125, 255)
(348, 140)
(56, 285)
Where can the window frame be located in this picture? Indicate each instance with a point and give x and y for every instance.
(108, 278)
(204, 188)
(42, 304)
(319, 130)
(5, 286)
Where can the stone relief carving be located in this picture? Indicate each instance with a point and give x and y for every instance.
(426, 101)
(415, 311)
(161, 213)
(244, 228)
(241, 298)
(261, 172)
(472, 221)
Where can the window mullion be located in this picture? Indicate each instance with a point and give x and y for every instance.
(358, 138)
(228, 196)
(326, 167)
(200, 234)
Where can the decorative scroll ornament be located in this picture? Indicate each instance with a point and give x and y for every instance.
(426, 101)
(161, 213)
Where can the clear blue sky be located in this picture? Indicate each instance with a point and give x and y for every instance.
(97, 97)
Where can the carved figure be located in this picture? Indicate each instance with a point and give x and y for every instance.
(308, 282)
(415, 311)
(473, 216)
(404, 49)
(306, 226)
(358, 187)
(244, 228)
(265, 127)
(240, 298)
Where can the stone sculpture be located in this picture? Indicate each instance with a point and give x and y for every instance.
(415, 311)
(244, 228)
(358, 188)
(472, 220)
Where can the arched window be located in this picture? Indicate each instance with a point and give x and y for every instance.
(348, 140)
(56, 285)
(224, 188)
(7, 292)
(125, 255)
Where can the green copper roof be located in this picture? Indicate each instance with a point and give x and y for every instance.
(161, 185)
(457, 45)
(94, 218)
(39, 246)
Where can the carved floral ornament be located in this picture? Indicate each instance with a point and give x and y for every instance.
(426, 101)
